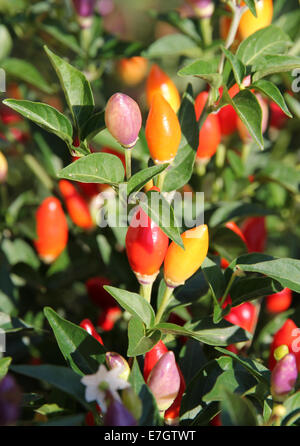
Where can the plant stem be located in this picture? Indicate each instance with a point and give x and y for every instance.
(146, 291)
(38, 170)
(165, 300)
(160, 180)
(206, 31)
(227, 289)
(128, 163)
(245, 151)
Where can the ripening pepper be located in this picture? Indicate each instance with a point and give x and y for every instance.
(164, 381)
(123, 119)
(76, 205)
(152, 357)
(249, 24)
(52, 230)
(114, 360)
(255, 233)
(84, 10)
(163, 132)
(180, 264)
(171, 416)
(284, 377)
(132, 70)
(87, 325)
(203, 8)
(210, 132)
(287, 335)
(146, 247)
(3, 168)
(159, 82)
(278, 302)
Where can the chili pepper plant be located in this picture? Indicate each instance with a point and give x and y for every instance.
(149, 230)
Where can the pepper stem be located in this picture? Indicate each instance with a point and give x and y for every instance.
(128, 163)
(160, 180)
(164, 303)
(145, 291)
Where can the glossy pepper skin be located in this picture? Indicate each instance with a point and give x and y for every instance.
(76, 205)
(87, 325)
(233, 227)
(278, 302)
(163, 132)
(3, 168)
(286, 335)
(108, 317)
(210, 133)
(123, 119)
(171, 415)
(133, 70)
(180, 264)
(284, 377)
(146, 246)
(244, 315)
(152, 357)
(277, 117)
(255, 233)
(52, 230)
(249, 24)
(159, 82)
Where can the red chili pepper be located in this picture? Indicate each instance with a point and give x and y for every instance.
(76, 205)
(87, 325)
(277, 117)
(152, 357)
(255, 232)
(244, 315)
(89, 418)
(287, 335)
(278, 302)
(146, 247)
(98, 295)
(231, 225)
(108, 318)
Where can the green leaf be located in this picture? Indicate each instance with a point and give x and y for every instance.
(162, 213)
(214, 277)
(60, 377)
(205, 69)
(245, 289)
(237, 411)
(269, 40)
(82, 352)
(187, 119)
(10, 324)
(25, 71)
(93, 126)
(134, 304)
(150, 415)
(180, 170)
(4, 366)
(77, 89)
(281, 173)
(68, 40)
(286, 271)
(238, 68)
(44, 116)
(18, 251)
(95, 168)
(6, 42)
(137, 181)
(248, 109)
(270, 90)
(174, 45)
(274, 64)
(139, 344)
(207, 332)
(251, 6)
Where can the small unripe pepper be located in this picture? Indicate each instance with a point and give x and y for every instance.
(284, 377)
(84, 10)
(76, 205)
(118, 415)
(180, 264)
(87, 325)
(163, 132)
(123, 119)
(52, 230)
(114, 360)
(146, 247)
(164, 381)
(159, 82)
(133, 70)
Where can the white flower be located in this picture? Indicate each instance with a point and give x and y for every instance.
(98, 384)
